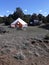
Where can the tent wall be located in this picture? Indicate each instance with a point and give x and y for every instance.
(12, 25)
(19, 23)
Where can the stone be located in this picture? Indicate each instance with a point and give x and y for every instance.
(19, 56)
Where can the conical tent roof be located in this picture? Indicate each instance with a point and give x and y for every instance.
(19, 20)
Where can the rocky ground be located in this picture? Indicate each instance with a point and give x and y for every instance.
(24, 47)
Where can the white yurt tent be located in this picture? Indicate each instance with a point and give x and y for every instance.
(19, 23)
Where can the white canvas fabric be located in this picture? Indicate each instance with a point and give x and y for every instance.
(24, 24)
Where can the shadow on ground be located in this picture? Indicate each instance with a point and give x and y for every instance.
(44, 26)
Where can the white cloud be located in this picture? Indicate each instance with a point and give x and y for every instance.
(45, 13)
(7, 11)
(40, 10)
(25, 10)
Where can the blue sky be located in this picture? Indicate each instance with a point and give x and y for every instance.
(28, 6)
